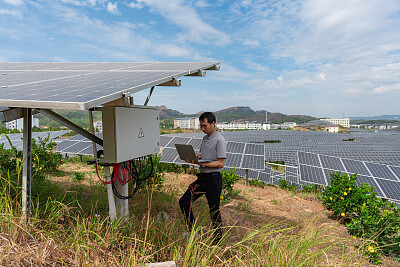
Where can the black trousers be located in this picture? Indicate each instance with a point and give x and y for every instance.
(209, 184)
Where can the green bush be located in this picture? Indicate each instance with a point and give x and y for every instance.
(43, 159)
(374, 220)
(308, 188)
(256, 183)
(78, 176)
(343, 197)
(229, 178)
(286, 185)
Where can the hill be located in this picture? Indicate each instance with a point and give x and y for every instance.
(381, 117)
(240, 114)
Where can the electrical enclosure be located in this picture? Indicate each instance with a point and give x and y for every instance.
(129, 132)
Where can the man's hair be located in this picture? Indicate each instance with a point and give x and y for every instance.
(209, 116)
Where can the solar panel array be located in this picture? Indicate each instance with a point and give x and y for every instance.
(81, 86)
(380, 147)
(16, 138)
(302, 167)
(239, 155)
(316, 169)
(78, 145)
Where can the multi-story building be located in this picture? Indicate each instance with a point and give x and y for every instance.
(98, 125)
(187, 123)
(19, 124)
(345, 122)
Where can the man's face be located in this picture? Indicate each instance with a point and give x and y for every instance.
(207, 127)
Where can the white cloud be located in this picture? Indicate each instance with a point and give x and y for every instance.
(186, 17)
(137, 4)
(113, 8)
(14, 13)
(14, 2)
(202, 4)
(249, 42)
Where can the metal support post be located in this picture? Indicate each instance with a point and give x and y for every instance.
(121, 205)
(110, 193)
(246, 177)
(27, 164)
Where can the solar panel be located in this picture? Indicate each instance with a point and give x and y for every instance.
(381, 171)
(233, 160)
(253, 162)
(254, 149)
(80, 86)
(195, 143)
(354, 166)
(308, 159)
(390, 188)
(235, 147)
(312, 174)
(395, 170)
(164, 140)
(168, 154)
(178, 140)
(332, 163)
(372, 182)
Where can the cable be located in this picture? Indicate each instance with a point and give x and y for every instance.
(104, 182)
(129, 170)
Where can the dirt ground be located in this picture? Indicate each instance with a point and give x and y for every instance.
(272, 203)
(253, 206)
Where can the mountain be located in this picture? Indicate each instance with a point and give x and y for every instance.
(166, 112)
(241, 114)
(234, 114)
(381, 117)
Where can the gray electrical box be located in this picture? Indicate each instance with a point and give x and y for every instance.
(129, 132)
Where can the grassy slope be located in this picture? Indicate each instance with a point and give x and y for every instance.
(263, 227)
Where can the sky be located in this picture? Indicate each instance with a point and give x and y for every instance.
(337, 58)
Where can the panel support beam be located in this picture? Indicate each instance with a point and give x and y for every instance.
(51, 114)
(15, 114)
(199, 73)
(27, 164)
(174, 82)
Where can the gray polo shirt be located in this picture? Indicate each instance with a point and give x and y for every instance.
(212, 148)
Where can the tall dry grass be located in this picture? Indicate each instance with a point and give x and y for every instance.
(62, 232)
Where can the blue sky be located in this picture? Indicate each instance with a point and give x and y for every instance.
(316, 57)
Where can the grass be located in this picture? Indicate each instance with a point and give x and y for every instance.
(70, 226)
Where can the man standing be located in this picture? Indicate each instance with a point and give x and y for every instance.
(209, 180)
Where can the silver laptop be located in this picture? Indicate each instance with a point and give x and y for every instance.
(187, 152)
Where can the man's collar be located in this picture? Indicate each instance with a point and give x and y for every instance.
(212, 136)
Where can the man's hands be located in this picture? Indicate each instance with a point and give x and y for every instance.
(193, 162)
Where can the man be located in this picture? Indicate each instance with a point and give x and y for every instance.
(209, 180)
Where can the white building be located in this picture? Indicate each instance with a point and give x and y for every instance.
(98, 125)
(19, 124)
(254, 126)
(332, 129)
(187, 123)
(345, 122)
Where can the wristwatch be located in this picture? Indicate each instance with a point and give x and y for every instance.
(204, 164)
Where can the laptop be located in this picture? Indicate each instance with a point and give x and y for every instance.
(187, 152)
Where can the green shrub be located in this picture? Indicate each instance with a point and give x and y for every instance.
(229, 178)
(308, 188)
(343, 197)
(78, 176)
(374, 220)
(256, 183)
(286, 185)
